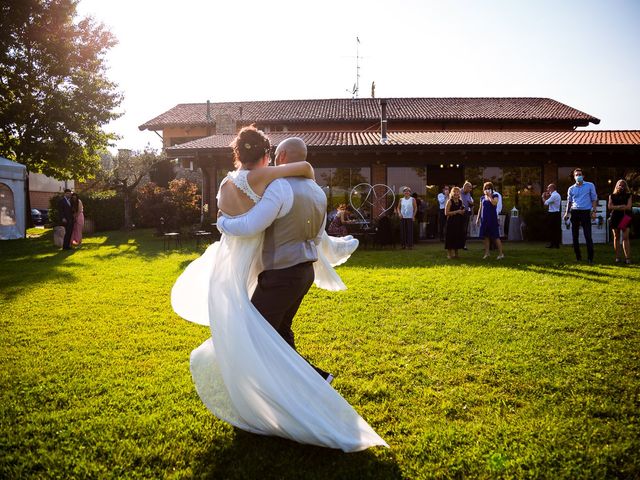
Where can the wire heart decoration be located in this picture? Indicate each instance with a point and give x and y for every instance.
(366, 197)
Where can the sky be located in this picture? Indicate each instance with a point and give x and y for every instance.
(583, 53)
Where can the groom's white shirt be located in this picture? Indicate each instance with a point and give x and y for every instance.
(275, 203)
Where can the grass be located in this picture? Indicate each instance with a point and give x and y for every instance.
(523, 368)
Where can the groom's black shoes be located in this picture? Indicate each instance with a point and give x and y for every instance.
(321, 372)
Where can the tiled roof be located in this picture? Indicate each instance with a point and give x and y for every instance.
(368, 109)
(437, 138)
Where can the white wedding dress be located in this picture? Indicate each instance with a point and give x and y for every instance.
(246, 374)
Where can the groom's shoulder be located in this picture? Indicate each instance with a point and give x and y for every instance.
(278, 187)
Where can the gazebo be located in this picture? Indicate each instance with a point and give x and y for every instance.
(12, 199)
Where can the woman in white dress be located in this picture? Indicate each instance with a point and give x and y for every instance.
(245, 373)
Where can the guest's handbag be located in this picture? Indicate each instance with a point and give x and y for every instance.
(625, 222)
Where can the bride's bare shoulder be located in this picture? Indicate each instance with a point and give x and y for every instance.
(232, 201)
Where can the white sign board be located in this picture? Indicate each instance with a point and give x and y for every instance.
(599, 226)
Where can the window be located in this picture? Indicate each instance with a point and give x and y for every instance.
(519, 186)
(338, 183)
(413, 177)
(7, 208)
(604, 179)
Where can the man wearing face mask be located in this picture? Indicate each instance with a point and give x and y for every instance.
(582, 202)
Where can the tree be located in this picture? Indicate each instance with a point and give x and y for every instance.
(54, 93)
(162, 173)
(124, 172)
(184, 195)
(178, 205)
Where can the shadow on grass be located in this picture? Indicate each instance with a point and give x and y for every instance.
(527, 257)
(255, 456)
(35, 260)
(142, 243)
(29, 261)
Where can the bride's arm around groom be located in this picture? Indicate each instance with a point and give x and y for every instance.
(277, 202)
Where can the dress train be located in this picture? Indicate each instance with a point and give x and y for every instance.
(245, 373)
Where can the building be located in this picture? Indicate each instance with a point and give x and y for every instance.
(42, 188)
(520, 144)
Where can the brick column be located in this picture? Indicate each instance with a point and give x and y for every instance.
(378, 175)
(549, 174)
(209, 183)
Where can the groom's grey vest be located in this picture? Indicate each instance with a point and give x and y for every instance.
(290, 239)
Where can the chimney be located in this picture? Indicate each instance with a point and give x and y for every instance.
(383, 120)
(225, 125)
(208, 111)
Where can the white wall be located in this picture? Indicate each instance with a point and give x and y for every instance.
(41, 183)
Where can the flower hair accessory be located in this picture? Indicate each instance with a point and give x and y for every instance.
(247, 146)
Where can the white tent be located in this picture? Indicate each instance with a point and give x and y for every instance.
(13, 199)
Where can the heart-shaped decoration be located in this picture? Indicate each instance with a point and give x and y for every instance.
(366, 197)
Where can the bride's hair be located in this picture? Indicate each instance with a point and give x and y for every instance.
(250, 146)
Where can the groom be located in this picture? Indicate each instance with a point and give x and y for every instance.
(66, 217)
(295, 211)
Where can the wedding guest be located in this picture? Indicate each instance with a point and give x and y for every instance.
(499, 204)
(66, 217)
(620, 206)
(455, 212)
(551, 199)
(78, 219)
(488, 220)
(581, 200)
(443, 196)
(492, 242)
(407, 210)
(467, 201)
(419, 216)
(338, 226)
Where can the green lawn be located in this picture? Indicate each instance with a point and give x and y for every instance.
(524, 368)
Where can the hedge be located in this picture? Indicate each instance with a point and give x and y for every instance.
(106, 209)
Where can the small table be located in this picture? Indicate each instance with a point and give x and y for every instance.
(201, 236)
(172, 237)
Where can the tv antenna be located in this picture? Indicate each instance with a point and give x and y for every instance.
(356, 86)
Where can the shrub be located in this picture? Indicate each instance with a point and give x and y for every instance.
(184, 196)
(179, 205)
(154, 203)
(54, 214)
(106, 209)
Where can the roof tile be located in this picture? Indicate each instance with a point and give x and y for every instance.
(368, 109)
(361, 139)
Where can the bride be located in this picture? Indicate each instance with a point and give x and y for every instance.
(245, 373)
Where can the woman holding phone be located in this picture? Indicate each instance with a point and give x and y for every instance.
(488, 220)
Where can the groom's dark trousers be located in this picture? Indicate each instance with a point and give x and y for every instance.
(66, 213)
(278, 296)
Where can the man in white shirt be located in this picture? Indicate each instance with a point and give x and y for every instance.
(499, 205)
(442, 218)
(551, 199)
